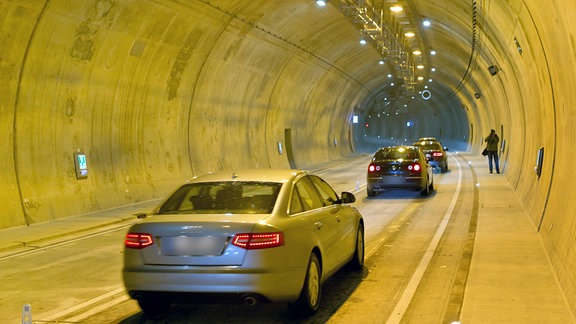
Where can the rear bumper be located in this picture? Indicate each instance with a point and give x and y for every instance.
(221, 284)
(437, 164)
(395, 182)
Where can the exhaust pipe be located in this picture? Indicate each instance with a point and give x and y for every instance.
(250, 300)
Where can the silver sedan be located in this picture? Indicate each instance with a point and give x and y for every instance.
(250, 236)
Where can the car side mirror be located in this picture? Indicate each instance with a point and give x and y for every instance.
(445, 148)
(348, 197)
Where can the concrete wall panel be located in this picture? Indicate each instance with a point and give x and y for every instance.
(556, 29)
(11, 62)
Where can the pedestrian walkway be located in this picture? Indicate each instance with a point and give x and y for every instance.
(37, 235)
(510, 278)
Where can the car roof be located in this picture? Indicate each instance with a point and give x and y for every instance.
(395, 147)
(260, 175)
(427, 142)
(391, 153)
(400, 146)
(427, 139)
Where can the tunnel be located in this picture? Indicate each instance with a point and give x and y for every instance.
(107, 103)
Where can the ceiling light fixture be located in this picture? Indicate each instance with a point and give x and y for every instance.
(493, 69)
(321, 3)
(416, 52)
(363, 41)
(426, 94)
(389, 34)
(426, 23)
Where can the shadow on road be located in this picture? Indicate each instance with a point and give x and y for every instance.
(334, 293)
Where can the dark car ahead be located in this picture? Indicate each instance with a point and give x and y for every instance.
(435, 153)
(399, 167)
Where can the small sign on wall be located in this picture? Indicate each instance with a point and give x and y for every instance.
(81, 165)
(539, 161)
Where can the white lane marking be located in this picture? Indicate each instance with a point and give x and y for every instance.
(55, 315)
(100, 308)
(410, 290)
(377, 242)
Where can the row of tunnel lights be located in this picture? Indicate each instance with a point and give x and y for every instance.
(396, 9)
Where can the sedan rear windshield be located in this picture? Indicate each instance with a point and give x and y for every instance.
(431, 147)
(396, 154)
(234, 197)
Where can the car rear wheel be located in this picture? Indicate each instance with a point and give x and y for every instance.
(426, 190)
(154, 306)
(309, 300)
(370, 192)
(357, 261)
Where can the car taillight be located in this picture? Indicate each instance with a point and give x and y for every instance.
(138, 240)
(373, 167)
(414, 167)
(252, 241)
(437, 154)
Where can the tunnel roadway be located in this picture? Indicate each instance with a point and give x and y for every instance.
(418, 253)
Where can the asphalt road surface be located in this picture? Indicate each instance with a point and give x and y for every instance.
(417, 257)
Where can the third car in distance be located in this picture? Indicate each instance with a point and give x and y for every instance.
(435, 153)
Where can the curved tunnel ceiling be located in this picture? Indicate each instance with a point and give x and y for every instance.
(447, 53)
(156, 91)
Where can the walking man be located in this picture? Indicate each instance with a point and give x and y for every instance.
(492, 148)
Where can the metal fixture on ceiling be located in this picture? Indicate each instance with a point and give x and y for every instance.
(392, 28)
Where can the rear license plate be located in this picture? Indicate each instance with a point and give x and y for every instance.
(393, 180)
(191, 246)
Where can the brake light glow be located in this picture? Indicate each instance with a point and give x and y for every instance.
(437, 154)
(373, 167)
(138, 240)
(252, 241)
(414, 167)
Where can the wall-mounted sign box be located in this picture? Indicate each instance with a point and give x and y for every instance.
(81, 165)
(539, 161)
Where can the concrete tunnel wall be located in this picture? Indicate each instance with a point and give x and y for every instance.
(530, 103)
(158, 92)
